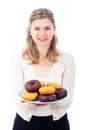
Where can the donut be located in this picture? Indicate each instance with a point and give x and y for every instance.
(47, 90)
(30, 96)
(32, 85)
(42, 83)
(47, 98)
(61, 93)
(55, 85)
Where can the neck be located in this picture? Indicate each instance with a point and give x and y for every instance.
(43, 50)
(43, 54)
(42, 58)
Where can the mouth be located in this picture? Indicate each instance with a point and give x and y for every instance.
(42, 39)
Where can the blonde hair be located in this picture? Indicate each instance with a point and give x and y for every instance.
(30, 51)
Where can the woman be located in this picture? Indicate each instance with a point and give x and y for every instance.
(40, 59)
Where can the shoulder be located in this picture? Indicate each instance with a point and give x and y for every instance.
(66, 58)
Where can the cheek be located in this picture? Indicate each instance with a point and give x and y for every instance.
(33, 33)
(51, 35)
(33, 37)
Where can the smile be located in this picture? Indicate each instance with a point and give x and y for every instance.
(42, 39)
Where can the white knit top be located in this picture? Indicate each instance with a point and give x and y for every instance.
(62, 72)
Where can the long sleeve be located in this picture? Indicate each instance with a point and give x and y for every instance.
(17, 79)
(68, 79)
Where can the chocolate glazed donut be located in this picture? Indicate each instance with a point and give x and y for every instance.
(47, 98)
(32, 85)
(61, 93)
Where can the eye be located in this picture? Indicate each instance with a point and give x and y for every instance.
(36, 28)
(47, 28)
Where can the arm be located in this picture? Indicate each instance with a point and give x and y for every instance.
(17, 79)
(68, 78)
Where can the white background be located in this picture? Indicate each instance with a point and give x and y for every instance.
(71, 22)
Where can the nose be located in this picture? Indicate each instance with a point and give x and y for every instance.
(42, 32)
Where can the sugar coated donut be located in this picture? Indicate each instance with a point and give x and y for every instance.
(47, 90)
(47, 98)
(32, 85)
(30, 96)
(55, 85)
(61, 93)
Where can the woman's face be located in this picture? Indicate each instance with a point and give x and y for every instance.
(42, 31)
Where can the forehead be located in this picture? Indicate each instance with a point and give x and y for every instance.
(42, 22)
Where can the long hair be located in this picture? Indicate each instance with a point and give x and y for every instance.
(30, 51)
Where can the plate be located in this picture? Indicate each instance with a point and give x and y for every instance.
(36, 101)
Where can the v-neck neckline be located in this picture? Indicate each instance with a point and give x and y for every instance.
(44, 77)
(50, 72)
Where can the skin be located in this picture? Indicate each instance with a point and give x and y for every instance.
(42, 31)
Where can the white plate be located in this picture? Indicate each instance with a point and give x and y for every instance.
(36, 101)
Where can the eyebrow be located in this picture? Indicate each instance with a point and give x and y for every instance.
(45, 26)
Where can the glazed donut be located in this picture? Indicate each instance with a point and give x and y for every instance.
(47, 90)
(42, 83)
(55, 85)
(61, 93)
(32, 85)
(47, 98)
(30, 96)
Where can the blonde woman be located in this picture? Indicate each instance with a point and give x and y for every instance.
(40, 59)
